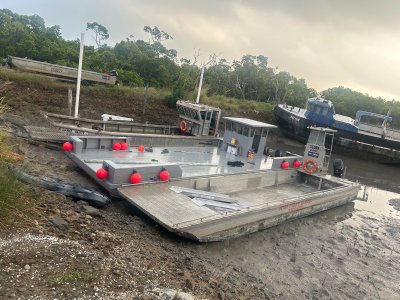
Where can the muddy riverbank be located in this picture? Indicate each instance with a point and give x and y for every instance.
(71, 251)
(347, 252)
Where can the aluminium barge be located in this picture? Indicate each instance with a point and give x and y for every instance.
(204, 198)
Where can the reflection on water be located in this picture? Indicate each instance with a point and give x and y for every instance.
(377, 202)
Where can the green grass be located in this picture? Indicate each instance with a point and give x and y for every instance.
(261, 111)
(15, 202)
(124, 92)
(75, 276)
(31, 80)
(47, 83)
(17, 207)
(233, 107)
(3, 106)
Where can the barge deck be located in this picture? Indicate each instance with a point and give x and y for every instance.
(261, 199)
(205, 198)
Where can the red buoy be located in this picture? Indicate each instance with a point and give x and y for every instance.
(296, 163)
(164, 175)
(140, 148)
(67, 146)
(117, 146)
(285, 165)
(124, 146)
(135, 178)
(101, 173)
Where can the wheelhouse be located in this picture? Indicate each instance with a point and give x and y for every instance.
(243, 136)
(198, 119)
(320, 110)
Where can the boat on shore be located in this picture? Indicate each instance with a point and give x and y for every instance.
(216, 193)
(60, 72)
(351, 133)
(197, 120)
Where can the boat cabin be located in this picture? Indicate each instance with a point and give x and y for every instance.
(245, 136)
(198, 119)
(320, 110)
(318, 150)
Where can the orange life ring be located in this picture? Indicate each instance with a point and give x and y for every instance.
(183, 126)
(310, 162)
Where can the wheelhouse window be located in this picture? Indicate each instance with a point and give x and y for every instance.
(228, 125)
(246, 131)
(264, 132)
(234, 127)
(251, 132)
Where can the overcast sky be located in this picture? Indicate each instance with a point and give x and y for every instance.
(329, 43)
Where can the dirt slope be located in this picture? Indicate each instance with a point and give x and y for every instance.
(27, 100)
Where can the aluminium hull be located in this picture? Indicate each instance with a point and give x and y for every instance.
(271, 217)
(58, 71)
(158, 202)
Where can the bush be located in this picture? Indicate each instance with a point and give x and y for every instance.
(16, 204)
(177, 94)
(129, 78)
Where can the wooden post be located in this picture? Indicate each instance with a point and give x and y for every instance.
(146, 87)
(70, 102)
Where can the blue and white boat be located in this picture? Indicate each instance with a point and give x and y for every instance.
(295, 121)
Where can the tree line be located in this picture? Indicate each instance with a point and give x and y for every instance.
(151, 63)
(141, 63)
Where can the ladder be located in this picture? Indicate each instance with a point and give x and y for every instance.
(328, 150)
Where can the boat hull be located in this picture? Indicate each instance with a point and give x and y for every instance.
(276, 209)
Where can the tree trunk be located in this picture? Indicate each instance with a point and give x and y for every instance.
(240, 87)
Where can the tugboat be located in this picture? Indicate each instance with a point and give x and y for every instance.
(295, 122)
